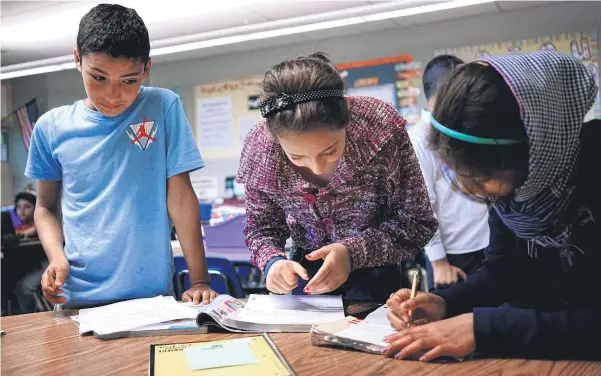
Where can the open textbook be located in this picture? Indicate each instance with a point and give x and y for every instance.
(164, 316)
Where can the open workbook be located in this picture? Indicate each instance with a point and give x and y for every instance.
(164, 316)
(364, 335)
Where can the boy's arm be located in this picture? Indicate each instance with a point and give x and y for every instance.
(48, 224)
(184, 211)
(46, 217)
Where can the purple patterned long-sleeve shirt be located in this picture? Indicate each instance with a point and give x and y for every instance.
(376, 203)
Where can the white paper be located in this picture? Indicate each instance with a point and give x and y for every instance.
(132, 314)
(371, 330)
(386, 93)
(205, 187)
(364, 332)
(291, 309)
(379, 317)
(245, 125)
(215, 123)
(219, 355)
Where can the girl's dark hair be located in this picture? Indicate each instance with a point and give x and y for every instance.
(300, 75)
(476, 100)
(27, 196)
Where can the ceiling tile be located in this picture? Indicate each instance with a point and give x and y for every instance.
(351, 30)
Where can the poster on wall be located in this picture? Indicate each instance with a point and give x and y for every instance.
(396, 80)
(205, 187)
(225, 113)
(582, 45)
(215, 123)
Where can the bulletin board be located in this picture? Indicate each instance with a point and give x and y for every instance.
(225, 112)
(583, 45)
(396, 80)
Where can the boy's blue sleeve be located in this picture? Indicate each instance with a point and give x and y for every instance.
(41, 164)
(182, 153)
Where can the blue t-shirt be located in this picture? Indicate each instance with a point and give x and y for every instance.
(114, 173)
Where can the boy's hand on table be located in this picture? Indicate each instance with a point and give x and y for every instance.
(334, 271)
(199, 293)
(53, 280)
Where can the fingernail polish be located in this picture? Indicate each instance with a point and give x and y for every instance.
(385, 350)
(397, 356)
(422, 359)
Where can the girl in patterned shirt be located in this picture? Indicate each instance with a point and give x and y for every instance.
(338, 175)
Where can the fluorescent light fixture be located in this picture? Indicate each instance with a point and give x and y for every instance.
(63, 62)
(429, 8)
(31, 71)
(306, 28)
(198, 45)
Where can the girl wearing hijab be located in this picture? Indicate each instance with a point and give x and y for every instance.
(339, 176)
(510, 132)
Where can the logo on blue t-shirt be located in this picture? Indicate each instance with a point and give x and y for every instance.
(142, 134)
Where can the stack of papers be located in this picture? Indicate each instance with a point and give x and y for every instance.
(165, 316)
(132, 314)
(286, 313)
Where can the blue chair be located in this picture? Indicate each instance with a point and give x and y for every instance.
(251, 277)
(224, 279)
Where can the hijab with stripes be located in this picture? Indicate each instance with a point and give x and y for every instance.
(554, 92)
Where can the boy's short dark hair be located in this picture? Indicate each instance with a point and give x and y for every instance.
(438, 69)
(115, 30)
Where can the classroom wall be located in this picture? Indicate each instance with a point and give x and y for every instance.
(420, 41)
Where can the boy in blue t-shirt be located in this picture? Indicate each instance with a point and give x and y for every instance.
(118, 163)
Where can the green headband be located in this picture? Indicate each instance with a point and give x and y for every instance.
(472, 139)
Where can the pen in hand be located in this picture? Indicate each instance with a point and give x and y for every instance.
(413, 292)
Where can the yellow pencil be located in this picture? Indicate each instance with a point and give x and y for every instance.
(413, 291)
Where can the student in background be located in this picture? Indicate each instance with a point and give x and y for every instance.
(511, 128)
(24, 208)
(28, 283)
(121, 159)
(340, 177)
(457, 248)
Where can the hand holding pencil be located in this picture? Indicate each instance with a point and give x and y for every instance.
(411, 308)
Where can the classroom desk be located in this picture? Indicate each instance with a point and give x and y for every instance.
(17, 261)
(46, 343)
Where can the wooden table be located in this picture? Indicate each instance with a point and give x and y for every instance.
(48, 344)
